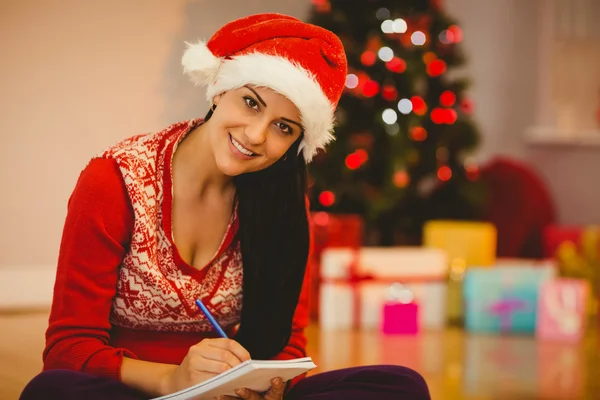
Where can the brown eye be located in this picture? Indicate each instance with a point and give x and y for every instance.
(251, 103)
(285, 128)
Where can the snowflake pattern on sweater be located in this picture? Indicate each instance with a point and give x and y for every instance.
(154, 290)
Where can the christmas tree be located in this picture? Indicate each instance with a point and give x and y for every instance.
(404, 128)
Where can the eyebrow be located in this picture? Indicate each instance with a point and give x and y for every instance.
(256, 94)
(291, 121)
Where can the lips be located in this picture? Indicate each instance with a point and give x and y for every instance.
(241, 148)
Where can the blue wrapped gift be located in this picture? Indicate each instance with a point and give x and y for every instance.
(503, 299)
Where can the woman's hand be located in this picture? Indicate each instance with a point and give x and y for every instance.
(204, 360)
(274, 393)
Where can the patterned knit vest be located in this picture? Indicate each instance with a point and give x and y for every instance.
(156, 289)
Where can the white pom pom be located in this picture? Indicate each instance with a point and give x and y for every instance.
(200, 64)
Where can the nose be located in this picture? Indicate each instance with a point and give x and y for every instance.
(257, 132)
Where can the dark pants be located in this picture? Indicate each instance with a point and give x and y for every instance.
(382, 382)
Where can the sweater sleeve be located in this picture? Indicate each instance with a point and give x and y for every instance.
(95, 237)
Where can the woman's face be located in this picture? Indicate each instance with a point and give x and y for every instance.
(251, 128)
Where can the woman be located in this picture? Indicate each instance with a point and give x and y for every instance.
(158, 221)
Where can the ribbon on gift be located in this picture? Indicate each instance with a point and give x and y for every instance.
(356, 277)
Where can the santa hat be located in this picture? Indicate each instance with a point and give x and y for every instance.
(304, 62)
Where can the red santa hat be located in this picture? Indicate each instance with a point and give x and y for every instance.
(304, 62)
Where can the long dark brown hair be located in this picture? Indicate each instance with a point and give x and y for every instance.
(274, 238)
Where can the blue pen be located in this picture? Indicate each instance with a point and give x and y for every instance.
(211, 319)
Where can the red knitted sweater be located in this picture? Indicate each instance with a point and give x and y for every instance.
(122, 288)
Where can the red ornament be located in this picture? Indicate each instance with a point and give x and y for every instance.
(327, 198)
(368, 58)
(457, 34)
(418, 105)
(353, 161)
(371, 88)
(436, 67)
(447, 98)
(401, 179)
(389, 93)
(418, 134)
(467, 106)
(444, 173)
(396, 64)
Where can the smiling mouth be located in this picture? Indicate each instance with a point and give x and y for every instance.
(241, 148)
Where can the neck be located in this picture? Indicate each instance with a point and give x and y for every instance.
(194, 166)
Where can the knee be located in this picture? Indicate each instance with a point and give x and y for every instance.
(399, 379)
(48, 385)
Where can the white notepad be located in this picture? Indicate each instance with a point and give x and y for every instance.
(253, 374)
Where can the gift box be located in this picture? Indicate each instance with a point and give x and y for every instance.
(472, 242)
(562, 310)
(355, 283)
(400, 312)
(504, 299)
(329, 231)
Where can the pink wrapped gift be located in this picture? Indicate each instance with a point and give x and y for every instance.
(400, 313)
(562, 309)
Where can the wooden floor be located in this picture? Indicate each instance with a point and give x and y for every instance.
(456, 365)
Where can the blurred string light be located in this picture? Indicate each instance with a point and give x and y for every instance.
(389, 116)
(418, 105)
(396, 26)
(436, 67)
(356, 159)
(392, 130)
(418, 134)
(396, 64)
(399, 25)
(447, 99)
(387, 26)
(368, 58)
(444, 173)
(401, 178)
(385, 54)
(351, 81)
(389, 93)
(327, 198)
(451, 35)
(405, 106)
(418, 38)
(382, 14)
(370, 88)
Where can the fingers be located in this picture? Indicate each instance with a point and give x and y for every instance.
(248, 394)
(219, 354)
(276, 391)
(227, 344)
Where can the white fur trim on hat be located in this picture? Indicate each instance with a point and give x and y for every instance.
(278, 73)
